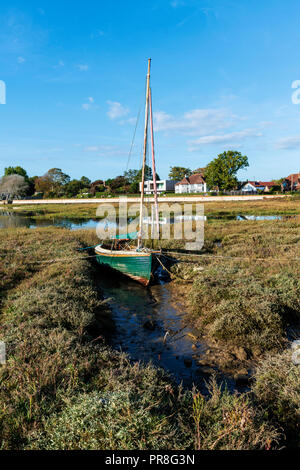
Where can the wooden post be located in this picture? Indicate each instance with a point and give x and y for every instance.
(140, 234)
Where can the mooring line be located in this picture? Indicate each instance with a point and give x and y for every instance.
(233, 258)
(239, 258)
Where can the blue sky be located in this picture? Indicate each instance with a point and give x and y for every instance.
(222, 74)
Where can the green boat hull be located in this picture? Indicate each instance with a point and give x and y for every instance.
(137, 267)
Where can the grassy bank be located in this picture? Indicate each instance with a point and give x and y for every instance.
(245, 288)
(243, 295)
(56, 210)
(63, 388)
(282, 206)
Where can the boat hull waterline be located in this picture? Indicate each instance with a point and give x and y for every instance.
(134, 264)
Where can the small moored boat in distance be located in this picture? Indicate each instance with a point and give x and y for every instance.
(136, 262)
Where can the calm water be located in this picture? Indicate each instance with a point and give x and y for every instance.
(8, 220)
(15, 220)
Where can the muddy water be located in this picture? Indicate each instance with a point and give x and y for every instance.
(150, 328)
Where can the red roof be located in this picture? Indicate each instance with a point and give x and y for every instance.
(294, 176)
(258, 184)
(197, 178)
(268, 184)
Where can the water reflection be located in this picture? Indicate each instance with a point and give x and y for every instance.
(150, 327)
(13, 220)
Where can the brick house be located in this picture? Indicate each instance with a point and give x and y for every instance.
(291, 183)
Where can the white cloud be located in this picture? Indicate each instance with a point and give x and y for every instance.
(93, 148)
(230, 138)
(195, 122)
(97, 34)
(21, 60)
(116, 110)
(83, 67)
(59, 64)
(105, 150)
(288, 142)
(90, 104)
(17, 35)
(264, 124)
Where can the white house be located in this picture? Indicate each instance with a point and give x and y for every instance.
(162, 186)
(255, 186)
(191, 184)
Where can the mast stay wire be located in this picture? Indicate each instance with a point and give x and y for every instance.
(135, 130)
(133, 138)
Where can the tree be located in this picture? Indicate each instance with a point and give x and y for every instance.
(177, 173)
(31, 185)
(86, 182)
(17, 170)
(116, 183)
(131, 176)
(13, 186)
(97, 187)
(202, 171)
(135, 176)
(134, 188)
(221, 171)
(73, 188)
(53, 182)
(58, 177)
(43, 184)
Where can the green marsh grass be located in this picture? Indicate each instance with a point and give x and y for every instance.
(62, 386)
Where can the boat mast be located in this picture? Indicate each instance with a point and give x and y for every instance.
(140, 234)
(153, 164)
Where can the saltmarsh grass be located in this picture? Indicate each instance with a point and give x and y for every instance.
(277, 388)
(248, 290)
(63, 388)
(288, 205)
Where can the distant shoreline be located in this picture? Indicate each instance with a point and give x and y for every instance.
(136, 199)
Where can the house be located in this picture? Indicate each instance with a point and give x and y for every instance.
(255, 186)
(163, 186)
(291, 183)
(191, 184)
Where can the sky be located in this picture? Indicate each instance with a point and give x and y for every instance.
(222, 78)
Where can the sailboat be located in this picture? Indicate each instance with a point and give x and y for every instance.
(136, 262)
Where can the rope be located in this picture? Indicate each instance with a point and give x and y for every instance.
(172, 274)
(58, 260)
(162, 265)
(87, 247)
(237, 258)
